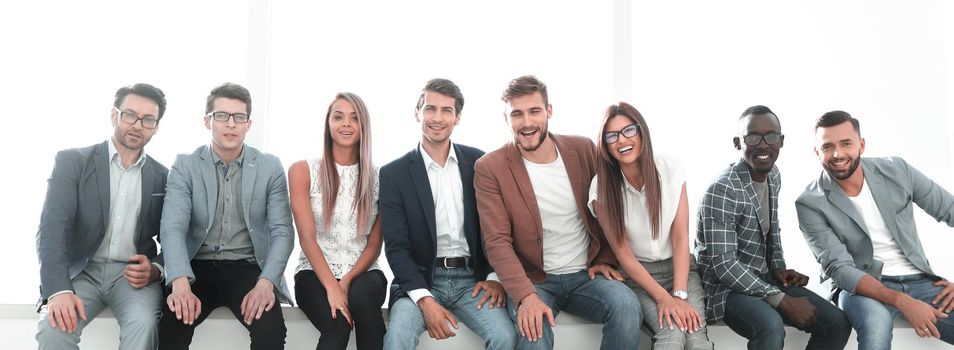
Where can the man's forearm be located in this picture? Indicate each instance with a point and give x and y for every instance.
(870, 287)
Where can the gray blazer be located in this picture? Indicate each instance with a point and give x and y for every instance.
(837, 234)
(191, 193)
(730, 246)
(74, 217)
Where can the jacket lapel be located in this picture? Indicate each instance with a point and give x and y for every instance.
(840, 200)
(743, 171)
(522, 179)
(423, 187)
(249, 173)
(102, 178)
(573, 171)
(211, 183)
(466, 167)
(148, 179)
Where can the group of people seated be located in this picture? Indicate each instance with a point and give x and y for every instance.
(500, 242)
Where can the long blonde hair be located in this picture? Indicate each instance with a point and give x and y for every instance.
(328, 173)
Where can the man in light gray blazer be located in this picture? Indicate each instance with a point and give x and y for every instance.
(226, 230)
(95, 241)
(858, 220)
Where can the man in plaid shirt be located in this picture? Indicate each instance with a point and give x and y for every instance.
(740, 253)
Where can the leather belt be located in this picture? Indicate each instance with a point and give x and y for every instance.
(451, 262)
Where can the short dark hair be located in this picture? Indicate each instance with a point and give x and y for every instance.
(232, 91)
(525, 85)
(835, 118)
(760, 109)
(444, 87)
(145, 90)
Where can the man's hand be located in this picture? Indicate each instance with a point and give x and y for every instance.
(62, 311)
(945, 299)
(181, 301)
(799, 310)
(495, 294)
(607, 271)
(530, 315)
(140, 272)
(791, 278)
(258, 300)
(436, 318)
(920, 315)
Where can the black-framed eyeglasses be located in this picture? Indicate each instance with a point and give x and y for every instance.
(610, 137)
(770, 139)
(148, 122)
(224, 117)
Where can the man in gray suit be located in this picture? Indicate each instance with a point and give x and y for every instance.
(95, 241)
(226, 230)
(858, 220)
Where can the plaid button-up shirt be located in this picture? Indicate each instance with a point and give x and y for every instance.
(730, 245)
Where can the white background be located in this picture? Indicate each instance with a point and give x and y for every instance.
(690, 67)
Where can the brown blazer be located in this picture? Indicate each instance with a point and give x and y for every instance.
(510, 219)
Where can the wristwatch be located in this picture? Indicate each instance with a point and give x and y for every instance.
(681, 294)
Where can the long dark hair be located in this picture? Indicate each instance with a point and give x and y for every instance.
(610, 183)
(328, 173)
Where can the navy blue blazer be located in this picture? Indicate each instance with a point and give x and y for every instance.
(408, 225)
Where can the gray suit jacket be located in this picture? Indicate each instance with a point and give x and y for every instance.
(189, 210)
(837, 234)
(74, 217)
(730, 245)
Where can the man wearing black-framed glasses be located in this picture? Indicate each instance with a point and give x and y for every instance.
(739, 249)
(95, 241)
(226, 231)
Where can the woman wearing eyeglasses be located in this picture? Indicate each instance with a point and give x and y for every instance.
(334, 202)
(640, 201)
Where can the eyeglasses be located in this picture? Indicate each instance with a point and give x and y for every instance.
(148, 122)
(610, 137)
(239, 118)
(755, 140)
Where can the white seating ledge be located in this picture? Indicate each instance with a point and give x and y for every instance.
(221, 330)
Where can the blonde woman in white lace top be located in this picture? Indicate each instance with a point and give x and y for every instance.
(337, 283)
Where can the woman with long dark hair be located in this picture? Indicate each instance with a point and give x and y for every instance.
(640, 201)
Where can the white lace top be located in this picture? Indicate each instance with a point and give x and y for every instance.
(341, 246)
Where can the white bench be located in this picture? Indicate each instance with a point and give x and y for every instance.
(222, 331)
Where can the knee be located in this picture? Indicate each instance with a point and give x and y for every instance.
(771, 329)
(503, 336)
(53, 338)
(623, 305)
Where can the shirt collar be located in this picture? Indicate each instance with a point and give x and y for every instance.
(451, 155)
(114, 154)
(238, 161)
(628, 186)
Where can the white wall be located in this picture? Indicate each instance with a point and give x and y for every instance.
(690, 67)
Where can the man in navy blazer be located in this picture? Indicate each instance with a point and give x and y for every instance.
(96, 239)
(432, 235)
(226, 230)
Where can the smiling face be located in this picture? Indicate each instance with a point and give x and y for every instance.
(228, 136)
(625, 150)
(762, 156)
(528, 116)
(839, 149)
(438, 117)
(344, 125)
(133, 136)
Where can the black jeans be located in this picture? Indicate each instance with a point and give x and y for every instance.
(223, 283)
(365, 298)
(764, 326)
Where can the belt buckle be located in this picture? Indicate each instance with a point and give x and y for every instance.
(445, 264)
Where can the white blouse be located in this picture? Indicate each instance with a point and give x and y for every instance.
(636, 215)
(341, 246)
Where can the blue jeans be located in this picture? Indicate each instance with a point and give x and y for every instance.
(874, 321)
(451, 289)
(611, 303)
(764, 326)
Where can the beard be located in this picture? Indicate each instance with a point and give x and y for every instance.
(526, 148)
(852, 167)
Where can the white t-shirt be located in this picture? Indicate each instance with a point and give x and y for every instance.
(636, 214)
(886, 250)
(565, 240)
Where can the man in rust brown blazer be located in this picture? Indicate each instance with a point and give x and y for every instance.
(547, 249)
